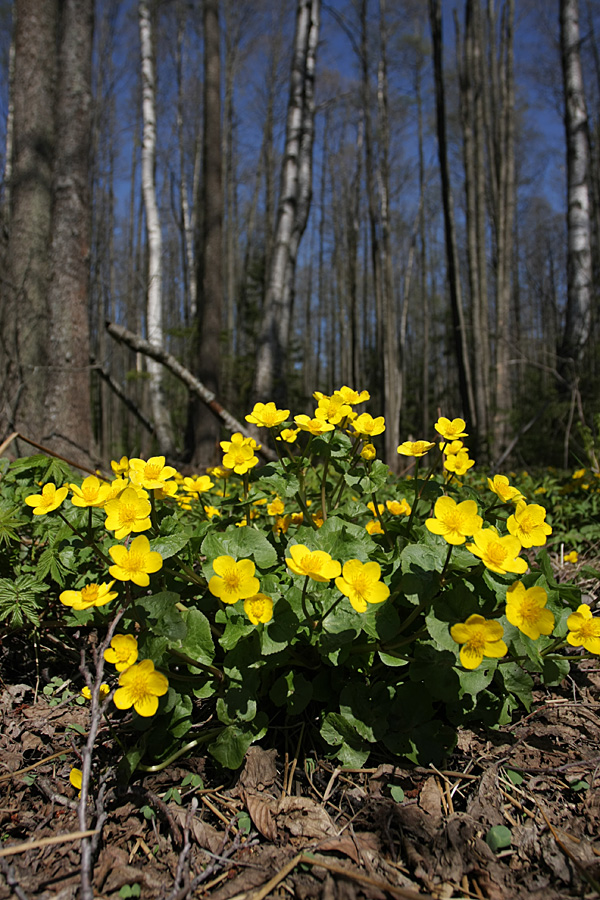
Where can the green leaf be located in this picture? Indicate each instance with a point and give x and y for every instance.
(498, 838)
(514, 776)
(240, 543)
(397, 794)
(292, 690)
(198, 641)
(166, 620)
(232, 743)
(170, 544)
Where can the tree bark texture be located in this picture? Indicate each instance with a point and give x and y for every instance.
(453, 275)
(204, 426)
(68, 423)
(25, 315)
(294, 206)
(154, 308)
(579, 264)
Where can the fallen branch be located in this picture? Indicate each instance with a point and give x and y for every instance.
(127, 401)
(141, 345)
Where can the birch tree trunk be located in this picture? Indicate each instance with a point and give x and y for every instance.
(154, 325)
(294, 205)
(579, 265)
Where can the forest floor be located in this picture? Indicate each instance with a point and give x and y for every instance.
(284, 826)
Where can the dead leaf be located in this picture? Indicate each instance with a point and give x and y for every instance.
(430, 799)
(259, 770)
(304, 818)
(260, 809)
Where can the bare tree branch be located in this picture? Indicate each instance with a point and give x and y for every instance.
(193, 384)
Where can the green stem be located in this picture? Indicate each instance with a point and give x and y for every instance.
(329, 611)
(198, 665)
(214, 732)
(303, 600)
(448, 555)
(324, 490)
(90, 543)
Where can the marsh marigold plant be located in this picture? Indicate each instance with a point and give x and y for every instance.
(299, 585)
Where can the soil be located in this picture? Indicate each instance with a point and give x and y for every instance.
(288, 825)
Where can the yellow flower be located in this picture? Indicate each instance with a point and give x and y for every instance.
(313, 426)
(366, 426)
(197, 485)
(332, 409)
(126, 513)
(281, 525)
(527, 524)
(266, 415)
(276, 507)
(117, 486)
(458, 463)
(318, 518)
(479, 637)
(123, 651)
(499, 554)
(140, 686)
(415, 448)
(219, 472)
(169, 490)
(500, 485)
(239, 453)
(92, 492)
(454, 521)
(121, 467)
(451, 430)
(49, 500)
(580, 473)
(398, 508)
(151, 474)
(288, 435)
(90, 595)
(453, 447)
(104, 691)
(137, 563)
(233, 580)
(76, 779)
(374, 527)
(211, 511)
(258, 608)
(584, 630)
(525, 610)
(371, 507)
(571, 557)
(368, 452)
(351, 396)
(361, 583)
(316, 564)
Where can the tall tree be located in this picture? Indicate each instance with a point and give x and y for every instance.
(25, 318)
(294, 205)
(68, 422)
(44, 309)
(579, 259)
(453, 275)
(154, 309)
(204, 426)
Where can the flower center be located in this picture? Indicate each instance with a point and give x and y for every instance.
(89, 594)
(152, 471)
(134, 562)
(496, 553)
(232, 580)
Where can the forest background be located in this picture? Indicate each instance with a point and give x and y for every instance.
(283, 197)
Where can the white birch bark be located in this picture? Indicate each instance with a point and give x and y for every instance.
(579, 265)
(294, 203)
(154, 310)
